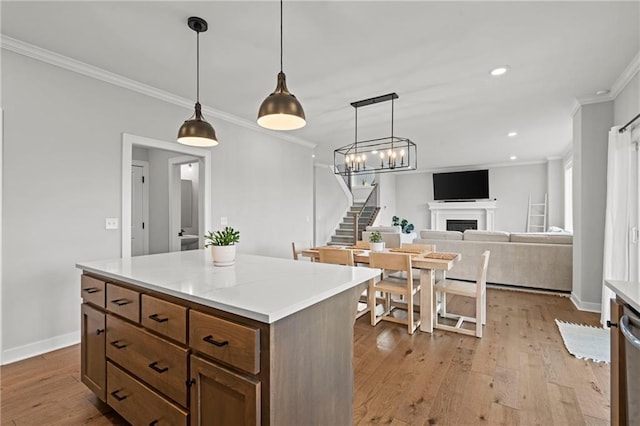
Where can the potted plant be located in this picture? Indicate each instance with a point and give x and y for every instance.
(375, 241)
(223, 245)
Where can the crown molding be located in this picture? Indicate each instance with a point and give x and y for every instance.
(629, 72)
(43, 55)
(618, 86)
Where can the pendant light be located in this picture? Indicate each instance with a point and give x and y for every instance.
(281, 110)
(196, 131)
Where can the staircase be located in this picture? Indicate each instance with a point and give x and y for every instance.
(345, 233)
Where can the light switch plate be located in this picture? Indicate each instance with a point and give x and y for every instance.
(111, 223)
(223, 221)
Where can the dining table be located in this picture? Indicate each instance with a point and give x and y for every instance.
(428, 262)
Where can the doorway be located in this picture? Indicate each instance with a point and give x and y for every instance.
(203, 157)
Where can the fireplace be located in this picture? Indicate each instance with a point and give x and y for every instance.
(461, 225)
(480, 212)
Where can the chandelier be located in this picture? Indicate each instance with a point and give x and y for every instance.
(382, 155)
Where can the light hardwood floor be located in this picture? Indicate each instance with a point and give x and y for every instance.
(518, 373)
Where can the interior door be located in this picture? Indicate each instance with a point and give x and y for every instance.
(137, 211)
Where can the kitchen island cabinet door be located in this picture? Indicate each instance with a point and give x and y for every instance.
(222, 397)
(93, 362)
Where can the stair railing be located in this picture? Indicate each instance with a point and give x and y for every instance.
(372, 201)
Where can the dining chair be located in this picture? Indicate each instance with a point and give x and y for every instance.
(299, 248)
(336, 256)
(362, 245)
(476, 290)
(344, 257)
(390, 285)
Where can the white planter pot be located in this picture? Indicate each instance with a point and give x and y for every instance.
(223, 255)
(376, 246)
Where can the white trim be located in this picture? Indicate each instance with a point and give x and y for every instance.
(618, 86)
(128, 141)
(145, 207)
(584, 306)
(1, 198)
(40, 347)
(43, 55)
(627, 75)
(174, 189)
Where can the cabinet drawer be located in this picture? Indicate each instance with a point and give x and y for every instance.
(235, 344)
(139, 404)
(123, 302)
(165, 318)
(160, 363)
(92, 290)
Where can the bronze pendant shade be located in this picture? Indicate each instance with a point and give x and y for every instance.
(196, 131)
(281, 110)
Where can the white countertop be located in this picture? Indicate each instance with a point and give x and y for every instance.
(265, 289)
(629, 291)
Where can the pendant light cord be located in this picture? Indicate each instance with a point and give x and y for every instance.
(280, 35)
(197, 66)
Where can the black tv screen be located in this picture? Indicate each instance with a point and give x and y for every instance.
(470, 185)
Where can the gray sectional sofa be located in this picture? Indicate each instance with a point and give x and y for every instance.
(535, 260)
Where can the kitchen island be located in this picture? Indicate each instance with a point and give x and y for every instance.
(625, 352)
(171, 339)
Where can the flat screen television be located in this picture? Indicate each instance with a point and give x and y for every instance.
(469, 185)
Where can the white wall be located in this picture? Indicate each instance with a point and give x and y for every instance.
(159, 200)
(591, 125)
(413, 193)
(54, 216)
(331, 204)
(387, 202)
(510, 185)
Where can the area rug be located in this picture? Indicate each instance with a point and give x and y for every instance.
(585, 341)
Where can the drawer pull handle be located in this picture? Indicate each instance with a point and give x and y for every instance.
(153, 423)
(99, 331)
(156, 318)
(121, 302)
(209, 339)
(91, 290)
(115, 343)
(118, 397)
(154, 367)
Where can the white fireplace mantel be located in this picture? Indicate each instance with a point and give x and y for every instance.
(482, 211)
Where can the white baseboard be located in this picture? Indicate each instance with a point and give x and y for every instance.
(40, 347)
(585, 306)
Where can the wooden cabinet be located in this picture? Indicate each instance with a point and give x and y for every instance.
(92, 290)
(92, 361)
(618, 367)
(221, 397)
(158, 362)
(232, 343)
(124, 302)
(140, 404)
(165, 318)
(160, 359)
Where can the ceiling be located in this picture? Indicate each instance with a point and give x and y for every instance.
(436, 55)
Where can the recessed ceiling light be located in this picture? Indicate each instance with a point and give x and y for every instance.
(513, 157)
(512, 134)
(499, 71)
(602, 92)
(313, 156)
